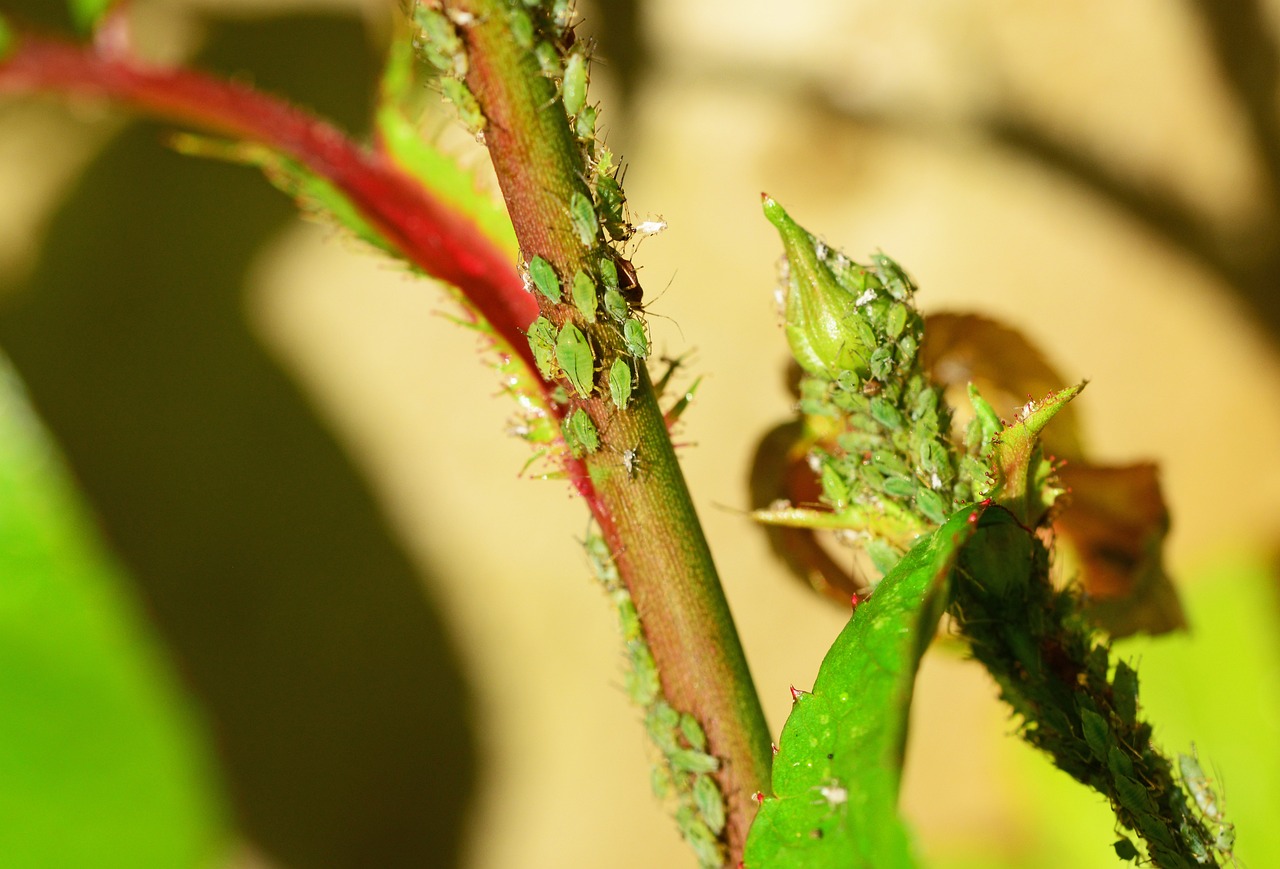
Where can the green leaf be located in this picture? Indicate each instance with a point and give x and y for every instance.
(86, 13)
(839, 762)
(315, 196)
(102, 761)
(400, 136)
(7, 38)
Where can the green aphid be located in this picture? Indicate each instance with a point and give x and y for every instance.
(580, 433)
(1124, 692)
(543, 275)
(584, 295)
(883, 412)
(692, 732)
(600, 558)
(642, 681)
(468, 109)
(660, 781)
(439, 41)
(1133, 796)
(710, 803)
(895, 280)
(1096, 733)
(573, 352)
(521, 26)
(930, 503)
(1125, 849)
(1225, 840)
(548, 59)
(615, 305)
(584, 125)
(609, 273)
(661, 723)
(542, 341)
(620, 383)
(612, 202)
(636, 340)
(897, 320)
(899, 487)
(573, 90)
(1118, 762)
(538, 429)
(881, 363)
(562, 13)
(628, 618)
(583, 215)
(692, 760)
(1198, 783)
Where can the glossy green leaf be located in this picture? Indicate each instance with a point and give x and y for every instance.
(102, 762)
(839, 764)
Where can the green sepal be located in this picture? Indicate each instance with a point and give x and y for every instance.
(1019, 472)
(822, 318)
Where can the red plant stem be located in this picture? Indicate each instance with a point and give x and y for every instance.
(428, 233)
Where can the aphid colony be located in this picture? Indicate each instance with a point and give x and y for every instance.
(682, 772)
(564, 347)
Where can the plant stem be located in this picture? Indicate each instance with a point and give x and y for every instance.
(644, 510)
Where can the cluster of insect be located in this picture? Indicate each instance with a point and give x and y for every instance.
(1211, 811)
(605, 291)
(683, 770)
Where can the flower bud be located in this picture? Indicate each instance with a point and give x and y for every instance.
(823, 292)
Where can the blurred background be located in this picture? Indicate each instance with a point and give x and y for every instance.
(273, 592)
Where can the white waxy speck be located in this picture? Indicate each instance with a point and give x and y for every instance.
(651, 227)
(868, 296)
(834, 794)
(935, 481)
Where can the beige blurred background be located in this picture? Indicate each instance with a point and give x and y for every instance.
(936, 132)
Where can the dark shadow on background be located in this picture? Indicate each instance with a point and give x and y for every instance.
(331, 685)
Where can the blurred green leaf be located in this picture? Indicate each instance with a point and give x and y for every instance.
(102, 762)
(86, 13)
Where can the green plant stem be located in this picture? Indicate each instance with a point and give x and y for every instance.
(645, 511)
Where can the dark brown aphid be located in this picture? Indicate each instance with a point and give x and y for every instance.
(629, 284)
